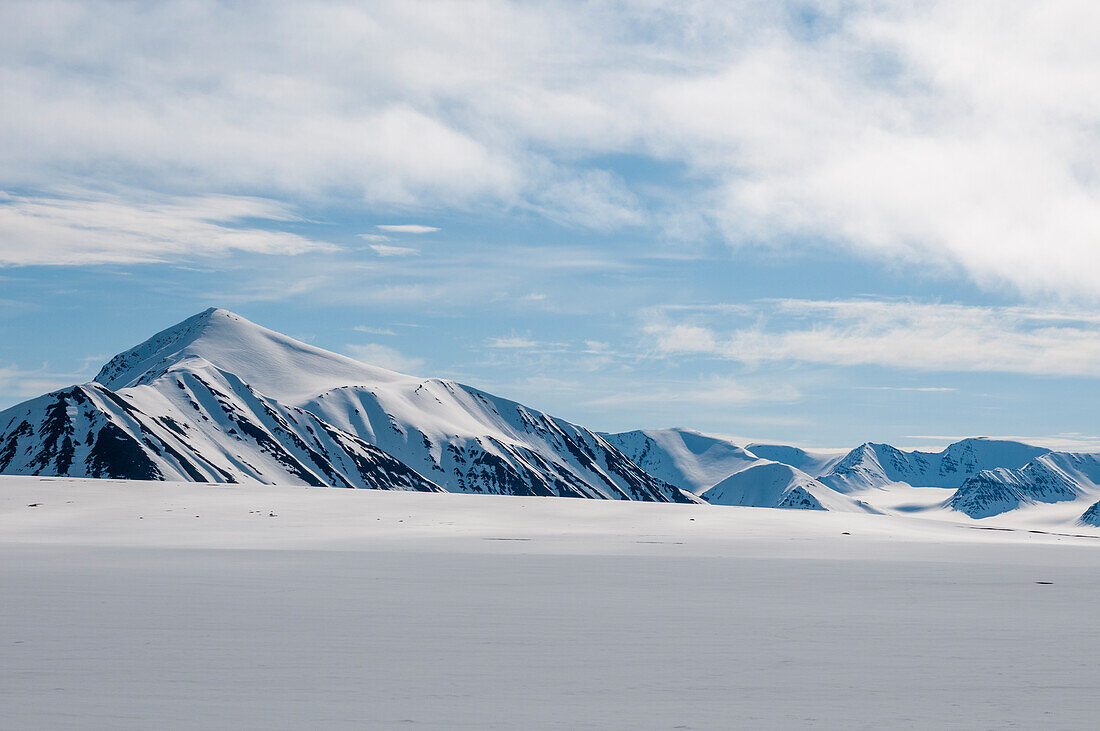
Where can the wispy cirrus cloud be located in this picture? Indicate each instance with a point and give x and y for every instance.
(97, 228)
(406, 228)
(388, 250)
(896, 334)
(374, 330)
(512, 343)
(913, 389)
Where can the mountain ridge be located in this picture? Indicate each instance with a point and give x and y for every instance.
(218, 398)
(247, 395)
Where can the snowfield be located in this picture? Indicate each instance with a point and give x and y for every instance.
(135, 605)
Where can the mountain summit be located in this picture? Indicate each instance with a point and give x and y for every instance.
(279, 366)
(218, 398)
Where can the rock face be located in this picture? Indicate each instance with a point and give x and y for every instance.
(1091, 516)
(217, 398)
(1053, 477)
(192, 424)
(471, 441)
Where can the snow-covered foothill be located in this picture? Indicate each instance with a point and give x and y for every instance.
(768, 484)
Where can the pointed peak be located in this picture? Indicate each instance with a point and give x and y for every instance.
(275, 364)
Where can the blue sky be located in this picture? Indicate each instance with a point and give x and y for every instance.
(818, 223)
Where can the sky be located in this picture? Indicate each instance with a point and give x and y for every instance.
(817, 223)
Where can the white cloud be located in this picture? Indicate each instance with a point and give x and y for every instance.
(387, 250)
(915, 389)
(407, 228)
(595, 200)
(373, 330)
(386, 357)
(374, 237)
(897, 334)
(512, 343)
(942, 135)
(88, 228)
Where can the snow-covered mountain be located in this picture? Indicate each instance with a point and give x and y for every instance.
(989, 476)
(879, 465)
(722, 473)
(768, 484)
(194, 423)
(218, 398)
(1051, 478)
(690, 460)
(1091, 516)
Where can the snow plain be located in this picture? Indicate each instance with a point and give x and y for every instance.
(167, 605)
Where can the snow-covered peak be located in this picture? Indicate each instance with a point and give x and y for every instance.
(970, 456)
(768, 484)
(685, 458)
(878, 465)
(1052, 477)
(275, 364)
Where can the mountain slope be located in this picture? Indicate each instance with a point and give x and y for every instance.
(1050, 478)
(193, 423)
(690, 460)
(768, 484)
(812, 463)
(274, 364)
(471, 441)
(250, 403)
(879, 465)
(1091, 516)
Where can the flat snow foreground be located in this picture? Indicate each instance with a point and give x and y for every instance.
(130, 605)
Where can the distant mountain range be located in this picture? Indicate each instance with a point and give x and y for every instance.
(217, 398)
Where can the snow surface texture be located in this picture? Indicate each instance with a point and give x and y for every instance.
(217, 398)
(135, 605)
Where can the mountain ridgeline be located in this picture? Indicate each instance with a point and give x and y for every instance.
(219, 399)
